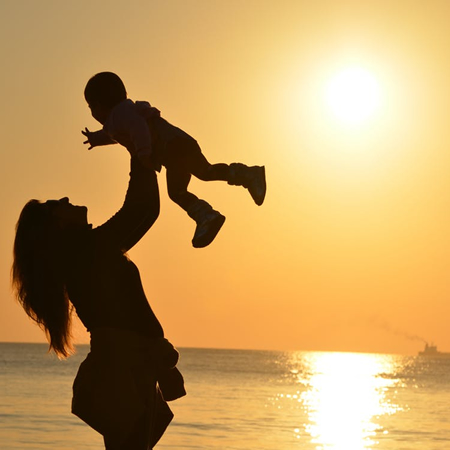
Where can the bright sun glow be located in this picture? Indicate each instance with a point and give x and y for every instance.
(353, 95)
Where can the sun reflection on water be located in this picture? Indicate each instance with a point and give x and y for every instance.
(343, 396)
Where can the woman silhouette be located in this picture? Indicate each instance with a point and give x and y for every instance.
(62, 263)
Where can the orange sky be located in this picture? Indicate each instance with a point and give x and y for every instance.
(350, 250)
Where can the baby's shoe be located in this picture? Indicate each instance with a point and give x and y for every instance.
(252, 178)
(209, 223)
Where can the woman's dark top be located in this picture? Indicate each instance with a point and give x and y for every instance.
(103, 284)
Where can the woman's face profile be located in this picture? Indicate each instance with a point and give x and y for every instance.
(67, 215)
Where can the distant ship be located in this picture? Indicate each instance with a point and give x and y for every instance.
(431, 350)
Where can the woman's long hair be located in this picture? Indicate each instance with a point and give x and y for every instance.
(38, 275)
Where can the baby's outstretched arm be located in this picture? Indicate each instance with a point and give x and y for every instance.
(97, 138)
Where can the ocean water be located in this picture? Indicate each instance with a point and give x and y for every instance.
(242, 399)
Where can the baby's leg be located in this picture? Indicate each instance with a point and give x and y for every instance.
(201, 168)
(237, 174)
(177, 184)
(209, 221)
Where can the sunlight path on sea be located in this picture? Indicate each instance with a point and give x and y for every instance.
(344, 396)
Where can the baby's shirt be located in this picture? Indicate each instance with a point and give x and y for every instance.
(127, 125)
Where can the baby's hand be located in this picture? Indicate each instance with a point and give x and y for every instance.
(96, 138)
(90, 138)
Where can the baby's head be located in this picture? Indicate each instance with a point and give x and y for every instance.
(103, 92)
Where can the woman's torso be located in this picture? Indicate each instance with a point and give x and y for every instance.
(105, 287)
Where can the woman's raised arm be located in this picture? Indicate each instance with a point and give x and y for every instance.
(138, 212)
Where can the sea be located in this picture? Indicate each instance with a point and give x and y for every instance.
(246, 400)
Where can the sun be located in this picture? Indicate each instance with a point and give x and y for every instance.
(353, 95)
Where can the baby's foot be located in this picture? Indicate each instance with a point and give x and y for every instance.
(256, 183)
(207, 228)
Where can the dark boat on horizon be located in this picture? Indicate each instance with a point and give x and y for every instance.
(431, 350)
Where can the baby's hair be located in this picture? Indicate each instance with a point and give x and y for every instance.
(106, 89)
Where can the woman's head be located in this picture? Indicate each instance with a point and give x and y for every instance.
(65, 215)
(38, 271)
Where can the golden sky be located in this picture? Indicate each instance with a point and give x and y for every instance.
(350, 250)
